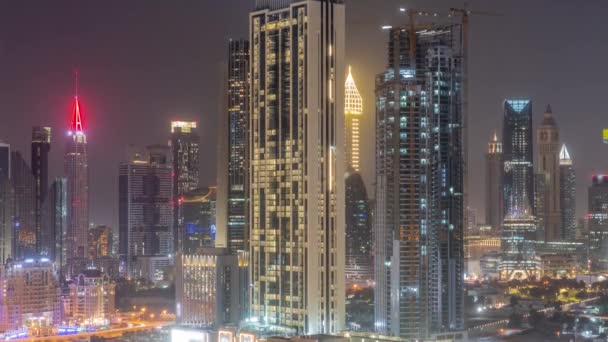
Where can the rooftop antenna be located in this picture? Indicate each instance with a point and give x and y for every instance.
(76, 82)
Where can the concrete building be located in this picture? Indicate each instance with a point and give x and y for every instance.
(30, 296)
(567, 194)
(92, 298)
(100, 242)
(494, 184)
(207, 287)
(549, 166)
(419, 214)
(296, 150)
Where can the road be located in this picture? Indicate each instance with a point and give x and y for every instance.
(109, 333)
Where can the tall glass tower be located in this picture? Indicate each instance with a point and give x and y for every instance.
(296, 173)
(41, 146)
(567, 193)
(238, 116)
(517, 156)
(353, 109)
(76, 169)
(494, 186)
(418, 219)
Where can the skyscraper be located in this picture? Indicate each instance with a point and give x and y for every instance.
(353, 108)
(597, 215)
(418, 221)
(199, 226)
(358, 232)
(54, 235)
(77, 174)
(548, 165)
(517, 157)
(296, 184)
(184, 145)
(6, 219)
(24, 222)
(145, 215)
(41, 146)
(231, 190)
(494, 186)
(5, 160)
(567, 193)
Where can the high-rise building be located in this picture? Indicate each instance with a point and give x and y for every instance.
(5, 160)
(540, 184)
(231, 190)
(92, 298)
(548, 165)
(567, 194)
(358, 233)
(199, 213)
(41, 146)
(54, 237)
(24, 222)
(296, 173)
(597, 216)
(494, 186)
(31, 295)
(77, 174)
(353, 109)
(145, 215)
(184, 152)
(517, 156)
(205, 287)
(6, 219)
(519, 260)
(100, 242)
(419, 259)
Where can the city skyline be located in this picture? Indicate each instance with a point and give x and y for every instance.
(41, 94)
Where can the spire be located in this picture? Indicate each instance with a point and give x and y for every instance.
(76, 119)
(353, 103)
(564, 156)
(495, 138)
(548, 110)
(548, 119)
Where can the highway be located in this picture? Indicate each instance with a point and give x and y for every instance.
(108, 333)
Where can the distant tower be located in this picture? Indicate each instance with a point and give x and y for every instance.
(494, 186)
(232, 168)
(358, 232)
(597, 213)
(24, 223)
(6, 204)
(548, 165)
(77, 174)
(184, 145)
(353, 108)
(54, 235)
(518, 178)
(41, 146)
(567, 193)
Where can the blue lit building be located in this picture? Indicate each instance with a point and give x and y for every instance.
(198, 208)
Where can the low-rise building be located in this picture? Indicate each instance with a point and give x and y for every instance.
(92, 298)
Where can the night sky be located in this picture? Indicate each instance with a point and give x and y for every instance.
(143, 63)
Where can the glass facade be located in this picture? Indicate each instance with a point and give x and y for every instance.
(41, 146)
(597, 216)
(567, 177)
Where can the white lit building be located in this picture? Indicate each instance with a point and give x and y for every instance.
(91, 298)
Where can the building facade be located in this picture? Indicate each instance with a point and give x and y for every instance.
(145, 213)
(296, 154)
(567, 192)
(30, 296)
(92, 298)
(549, 166)
(100, 242)
(54, 238)
(359, 255)
(77, 174)
(199, 224)
(206, 287)
(232, 192)
(517, 156)
(597, 216)
(24, 212)
(418, 223)
(494, 185)
(353, 109)
(185, 158)
(41, 146)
